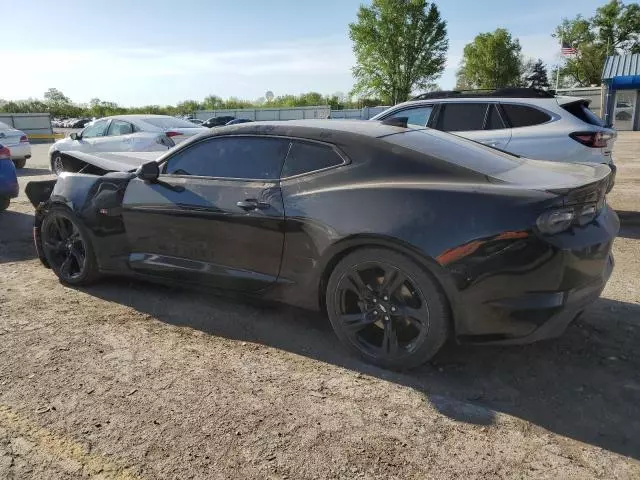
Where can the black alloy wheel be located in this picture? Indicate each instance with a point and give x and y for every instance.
(387, 309)
(66, 248)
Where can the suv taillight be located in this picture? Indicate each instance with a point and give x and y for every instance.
(24, 139)
(592, 139)
(5, 154)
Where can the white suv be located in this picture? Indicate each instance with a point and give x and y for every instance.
(528, 122)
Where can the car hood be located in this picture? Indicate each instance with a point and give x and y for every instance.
(116, 161)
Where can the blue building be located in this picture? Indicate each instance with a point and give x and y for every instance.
(621, 77)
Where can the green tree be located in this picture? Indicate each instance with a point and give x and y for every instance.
(615, 28)
(618, 27)
(492, 60)
(535, 76)
(212, 102)
(400, 46)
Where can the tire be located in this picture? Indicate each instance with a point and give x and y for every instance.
(375, 295)
(67, 247)
(20, 163)
(4, 203)
(60, 163)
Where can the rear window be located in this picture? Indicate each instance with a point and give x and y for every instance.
(581, 110)
(457, 150)
(4, 125)
(169, 122)
(524, 116)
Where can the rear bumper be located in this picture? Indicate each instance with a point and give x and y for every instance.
(560, 307)
(18, 152)
(531, 288)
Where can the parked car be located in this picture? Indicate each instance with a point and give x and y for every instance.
(347, 217)
(528, 122)
(238, 120)
(79, 123)
(18, 144)
(122, 133)
(217, 121)
(197, 121)
(8, 179)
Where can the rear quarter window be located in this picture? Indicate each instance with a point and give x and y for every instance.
(305, 157)
(524, 116)
(581, 111)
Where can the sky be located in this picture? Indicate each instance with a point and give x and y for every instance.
(141, 52)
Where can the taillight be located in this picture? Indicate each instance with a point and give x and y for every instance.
(172, 134)
(5, 154)
(592, 139)
(559, 220)
(24, 139)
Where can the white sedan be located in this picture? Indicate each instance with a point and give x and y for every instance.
(18, 144)
(122, 133)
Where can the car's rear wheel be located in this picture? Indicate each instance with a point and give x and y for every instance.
(4, 203)
(66, 246)
(20, 163)
(386, 308)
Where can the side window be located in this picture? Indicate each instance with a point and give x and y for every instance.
(417, 116)
(307, 157)
(118, 127)
(461, 117)
(231, 157)
(494, 121)
(524, 116)
(95, 130)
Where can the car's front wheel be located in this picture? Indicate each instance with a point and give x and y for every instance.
(66, 247)
(387, 308)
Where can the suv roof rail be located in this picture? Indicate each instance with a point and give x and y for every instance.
(509, 92)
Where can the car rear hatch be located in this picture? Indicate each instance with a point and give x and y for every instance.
(595, 133)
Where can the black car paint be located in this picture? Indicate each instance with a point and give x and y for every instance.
(474, 233)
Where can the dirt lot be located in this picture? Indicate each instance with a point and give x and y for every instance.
(135, 381)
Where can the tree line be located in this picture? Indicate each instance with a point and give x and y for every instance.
(57, 104)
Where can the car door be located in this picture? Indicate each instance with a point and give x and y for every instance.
(215, 216)
(120, 137)
(92, 137)
(479, 121)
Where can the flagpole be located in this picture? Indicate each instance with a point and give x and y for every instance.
(558, 69)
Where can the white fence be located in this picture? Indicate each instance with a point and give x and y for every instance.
(358, 114)
(29, 123)
(257, 114)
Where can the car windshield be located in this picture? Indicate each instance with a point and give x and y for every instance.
(457, 150)
(169, 122)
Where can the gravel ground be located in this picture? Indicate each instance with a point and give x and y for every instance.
(127, 380)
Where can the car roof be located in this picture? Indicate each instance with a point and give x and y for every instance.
(320, 130)
(135, 117)
(558, 100)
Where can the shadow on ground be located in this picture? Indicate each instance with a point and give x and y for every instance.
(584, 385)
(16, 241)
(32, 172)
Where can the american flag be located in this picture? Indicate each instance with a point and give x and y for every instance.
(568, 49)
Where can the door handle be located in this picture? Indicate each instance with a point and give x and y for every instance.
(252, 204)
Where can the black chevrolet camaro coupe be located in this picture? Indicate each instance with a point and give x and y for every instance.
(404, 236)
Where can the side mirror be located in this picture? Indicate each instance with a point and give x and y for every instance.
(75, 136)
(149, 172)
